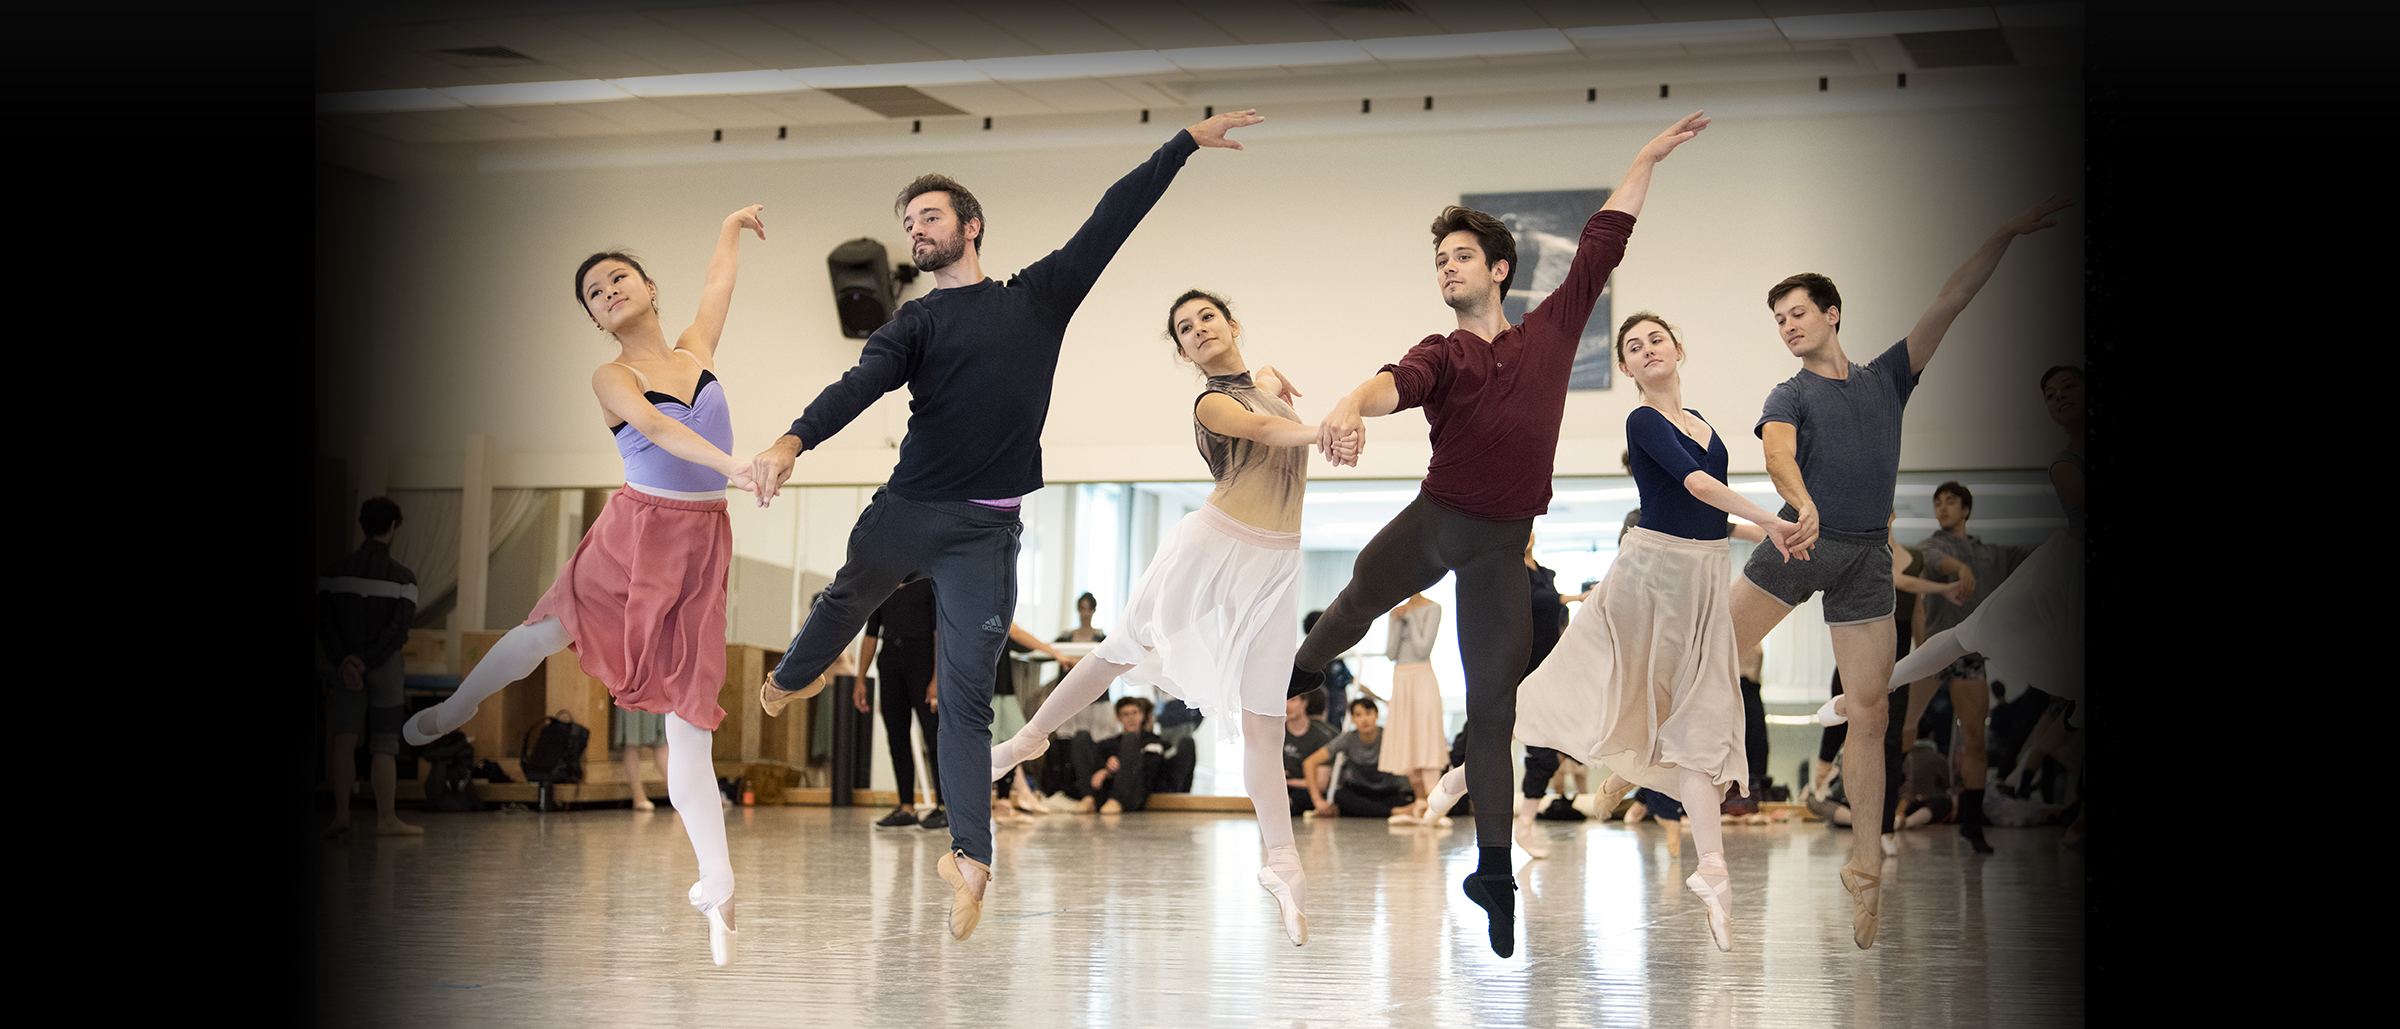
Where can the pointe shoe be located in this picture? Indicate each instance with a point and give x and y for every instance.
(1295, 921)
(720, 930)
(966, 909)
(1524, 831)
(1719, 899)
(1866, 904)
(1674, 830)
(773, 699)
(418, 738)
(1016, 750)
(1438, 803)
(1612, 792)
(1831, 714)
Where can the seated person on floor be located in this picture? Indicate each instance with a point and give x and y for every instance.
(1121, 772)
(1303, 734)
(1362, 790)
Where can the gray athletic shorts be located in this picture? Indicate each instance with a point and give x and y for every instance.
(377, 710)
(1852, 569)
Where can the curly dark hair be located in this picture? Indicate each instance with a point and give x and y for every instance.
(962, 203)
(1497, 242)
(1820, 291)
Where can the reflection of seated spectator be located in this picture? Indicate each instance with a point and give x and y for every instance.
(1336, 686)
(1304, 734)
(1120, 772)
(1361, 789)
(363, 606)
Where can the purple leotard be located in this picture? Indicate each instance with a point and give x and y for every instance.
(648, 464)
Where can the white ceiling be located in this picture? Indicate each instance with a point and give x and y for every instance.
(1028, 58)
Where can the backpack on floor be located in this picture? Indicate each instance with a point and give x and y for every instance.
(554, 750)
(450, 774)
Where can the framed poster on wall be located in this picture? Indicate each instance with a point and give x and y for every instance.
(1547, 223)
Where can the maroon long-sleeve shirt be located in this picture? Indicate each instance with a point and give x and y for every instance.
(1495, 406)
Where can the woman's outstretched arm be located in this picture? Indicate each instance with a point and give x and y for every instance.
(618, 391)
(716, 297)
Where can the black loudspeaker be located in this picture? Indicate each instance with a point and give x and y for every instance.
(863, 293)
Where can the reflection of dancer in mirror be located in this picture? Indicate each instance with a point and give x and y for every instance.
(643, 600)
(2033, 621)
(1493, 394)
(1414, 746)
(1832, 439)
(978, 357)
(1212, 620)
(1645, 679)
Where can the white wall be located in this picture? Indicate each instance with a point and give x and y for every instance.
(1317, 232)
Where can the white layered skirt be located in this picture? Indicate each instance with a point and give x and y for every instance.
(1644, 680)
(1215, 620)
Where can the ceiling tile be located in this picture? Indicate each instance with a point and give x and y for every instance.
(1076, 95)
(989, 101)
(1806, 8)
(360, 63)
(1157, 26)
(837, 28)
(645, 116)
(566, 119)
(1568, 14)
(1057, 27)
(1481, 15)
(1703, 10)
(717, 111)
(1266, 21)
(636, 34)
(571, 54)
(812, 108)
(955, 32)
(758, 43)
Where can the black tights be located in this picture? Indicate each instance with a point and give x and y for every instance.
(1495, 628)
(904, 667)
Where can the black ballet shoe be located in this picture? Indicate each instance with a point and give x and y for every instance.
(1973, 834)
(1497, 896)
(1970, 820)
(1303, 682)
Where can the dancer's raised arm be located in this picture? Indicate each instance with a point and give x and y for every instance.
(1635, 187)
(1970, 277)
(716, 295)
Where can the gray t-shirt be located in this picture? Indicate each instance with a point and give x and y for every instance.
(1359, 757)
(1296, 749)
(1849, 437)
(1992, 564)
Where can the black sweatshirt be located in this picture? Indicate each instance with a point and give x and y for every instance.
(979, 360)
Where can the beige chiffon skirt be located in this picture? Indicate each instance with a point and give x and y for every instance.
(1412, 729)
(1644, 680)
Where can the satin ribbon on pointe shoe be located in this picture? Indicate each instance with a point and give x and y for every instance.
(720, 932)
(1718, 898)
(1866, 916)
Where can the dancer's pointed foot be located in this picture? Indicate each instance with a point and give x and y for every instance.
(773, 699)
(1831, 713)
(1866, 904)
(1027, 744)
(968, 878)
(721, 932)
(1303, 682)
(1288, 885)
(1525, 834)
(1439, 801)
(1497, 896)
(426, 726)
(1715, 887)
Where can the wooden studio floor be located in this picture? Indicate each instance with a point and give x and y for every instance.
(520, 919)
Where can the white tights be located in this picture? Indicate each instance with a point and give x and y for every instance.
(691, 772)
(513, 658)
(1938, 651)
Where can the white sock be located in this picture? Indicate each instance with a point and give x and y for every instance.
(1936, 654)
(517, 654)
(1701, 802)
(692, 785)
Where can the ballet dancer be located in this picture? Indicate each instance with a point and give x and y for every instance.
(2034, 620)
(1493, 394)
(1832, 439)
(978, 357)
(642, 602)
(1645, 679)
(1212, 621)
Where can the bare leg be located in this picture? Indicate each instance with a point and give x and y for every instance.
(1920, 697)
(633, 774)
(383, 772)
(341, 767)
(1862, 653)
(1973, 700)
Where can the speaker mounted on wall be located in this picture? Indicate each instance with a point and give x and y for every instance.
(864, 289)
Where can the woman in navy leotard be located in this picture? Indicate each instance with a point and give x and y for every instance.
(1645, 680)
(642, 603)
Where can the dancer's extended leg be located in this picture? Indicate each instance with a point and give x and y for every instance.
(692, 787)
(1084, 684)
(1262, 776)
(1713, 884)
(1938, 651)
(517, 654)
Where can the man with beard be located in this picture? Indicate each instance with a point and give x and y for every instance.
(1494, 394)
(978, 357)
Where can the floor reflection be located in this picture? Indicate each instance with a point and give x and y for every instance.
(1155, 920)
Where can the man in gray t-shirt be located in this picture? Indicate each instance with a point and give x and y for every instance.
(1832, 441)
(1952, 555)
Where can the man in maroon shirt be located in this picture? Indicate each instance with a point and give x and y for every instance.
(1494, 394)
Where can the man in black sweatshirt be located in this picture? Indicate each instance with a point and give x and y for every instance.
(977, 356)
